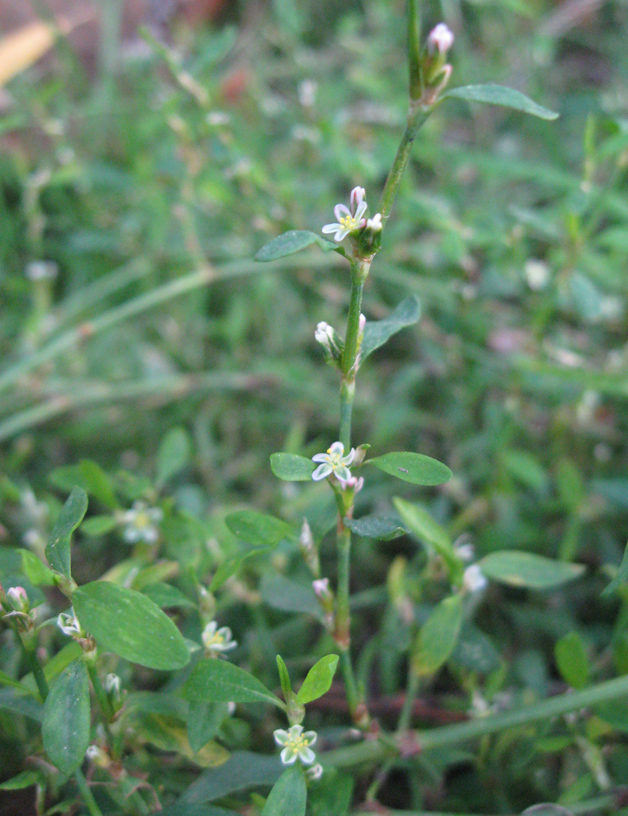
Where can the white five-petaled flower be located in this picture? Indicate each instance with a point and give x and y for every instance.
(141, 523)
(348, 220)
(440, 39)
(69, 625)
(296, 745)
(218, 640)
(334, 462)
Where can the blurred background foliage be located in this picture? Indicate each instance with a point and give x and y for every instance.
(138, 177)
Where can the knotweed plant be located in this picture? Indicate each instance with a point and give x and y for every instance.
(99, 738)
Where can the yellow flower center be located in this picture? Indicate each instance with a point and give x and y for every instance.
(348, 222)
(142, 520)
(297, 743)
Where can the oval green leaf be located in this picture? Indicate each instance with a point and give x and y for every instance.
(292, 468)
(65, 729)
(413, 467)
(572, 660)
(288, 796)
(522, 569)
(174, 454)
(130, 625)
(71, 515)
(290, 242)
(438, 636)
(499, 95)
(216, 681)
(318, 680)
(383, 528)
(258, 529)
(377, 332)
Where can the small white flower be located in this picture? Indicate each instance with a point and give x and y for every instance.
(353, 483)
(473, 579)
(375, 223)
(324, 335)
(464, 549)
(141, 523)
(296, 745)
(440, 39)
(315, 772)
(112, 684)
(307, 92)
(348, 220)
(537, 274)
(218, 640)
(18, 599)
(69, 625)
(333, 462)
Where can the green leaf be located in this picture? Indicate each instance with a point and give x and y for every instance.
(433, 536)
(546, 810)
(174, 454)
(292, 468)
(284, 678)
(130, 625)
(289, 596)
(22, 780)
(167, 596)
(522, 569)
(526, 468)
(318, 680)
(621, 577)
(258, 529)
(7, 680)
(383, 528)
(572, 660)
(35, 570)
(438, 636)
(71, 515)
(65, 729)
(377, 332)
(499, 95)
(20, 703)
(291, 242)
(99, 525)
(204, 721)
(242, 770)
(412, 467)
(216, 681)
(97, 483)
(288, 796)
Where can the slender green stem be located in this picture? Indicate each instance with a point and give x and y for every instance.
(458, 733)
(359, 273)
(416, 117)
(33, 661)
(101, 695)
(88, 796)
(342, 632)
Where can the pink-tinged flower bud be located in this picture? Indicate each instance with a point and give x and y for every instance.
(357, 197)
(18, 599)
(440, 39)
(361, 324)
(321, 587)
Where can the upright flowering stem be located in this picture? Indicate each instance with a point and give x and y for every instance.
(342, 632)
(359, 273)
(417, 115)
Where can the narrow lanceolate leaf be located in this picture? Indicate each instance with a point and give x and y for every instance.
(292, 468)
(130, 625)
(430, 533)
(521, 569)
(216, 681)
(258, 529)
(377, 332)
(284, 678)
(572, 660)
(291, 242)
(413, 467)
(230, 566)
(499, 95)
(438, 636)
(288, 796)
(318, 680)
(621, 577)
(71, 515)
(23, 780)
(65, 729)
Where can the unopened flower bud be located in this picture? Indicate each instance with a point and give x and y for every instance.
(440, 39)
(324, 335)
(321, 587)
(315, 772)
(112, 684)
(19, 599)
(375, 223)
(473, 579)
